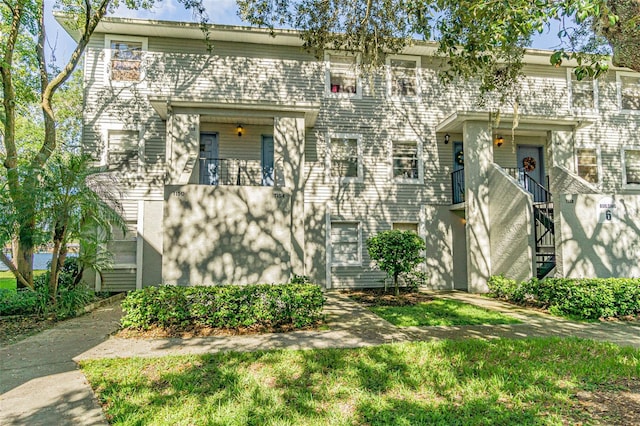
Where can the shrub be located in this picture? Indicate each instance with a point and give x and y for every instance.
(228, 306)
(396, 252)
(69, 299)
(21, 302)
(585, 298)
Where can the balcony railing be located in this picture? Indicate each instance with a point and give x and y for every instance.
(232, 171)
(540, 193)
(457, 186)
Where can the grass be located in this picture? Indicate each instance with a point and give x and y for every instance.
(440, 312)
(470, 382)
(7, 280)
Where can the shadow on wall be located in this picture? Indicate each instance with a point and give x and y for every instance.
(595, 246)
(226, 234)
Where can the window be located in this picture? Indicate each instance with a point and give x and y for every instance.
(631, 166)
(342, 74)
(124, 58)
(345, 243)
(629, 91)
(583, 92)
(122, 150)
(403, 76)
(587, 166)
(405, 161)
(345, 158)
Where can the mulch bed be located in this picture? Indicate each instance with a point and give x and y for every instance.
(377, 297)
(18, 328)
(618, 406)
(204, 331)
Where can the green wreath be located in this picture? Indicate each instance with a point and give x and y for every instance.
(460, 157)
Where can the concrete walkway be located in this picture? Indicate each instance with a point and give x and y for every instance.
(40, 384)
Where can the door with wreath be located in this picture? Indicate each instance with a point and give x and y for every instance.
(531, 160)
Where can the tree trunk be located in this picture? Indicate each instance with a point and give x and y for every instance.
(624, 35)
(395, 283)
(55, 270)
(25, 265)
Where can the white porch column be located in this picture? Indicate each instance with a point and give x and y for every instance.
(289, 142)
(478, 156)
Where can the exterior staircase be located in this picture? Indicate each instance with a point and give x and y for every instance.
(544, 225)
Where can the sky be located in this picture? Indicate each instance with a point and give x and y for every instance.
(219, 11)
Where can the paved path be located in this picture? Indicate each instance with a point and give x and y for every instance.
(40, 384)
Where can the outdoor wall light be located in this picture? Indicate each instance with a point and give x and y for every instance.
(446, 138)
(499, 141)
(239, 129)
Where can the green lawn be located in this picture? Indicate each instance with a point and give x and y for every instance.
(440, 312)
(7, 280)
(471, 382)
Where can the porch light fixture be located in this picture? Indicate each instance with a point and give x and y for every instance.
(499, 141)
(446, 138)
(239, 129)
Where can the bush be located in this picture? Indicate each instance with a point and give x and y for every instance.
(585, 298)
(228, 306)
(69, 299)
(21, 302)
(396, 252)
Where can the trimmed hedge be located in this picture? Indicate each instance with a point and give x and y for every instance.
(586, 298)
(228, 306)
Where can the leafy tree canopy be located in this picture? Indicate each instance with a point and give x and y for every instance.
(485, 39)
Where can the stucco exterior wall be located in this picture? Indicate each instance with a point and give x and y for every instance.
(226, 235)
(592, 245)
(512, 227)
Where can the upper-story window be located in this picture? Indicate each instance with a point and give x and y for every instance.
(583, 94)
(345, 157)
(342, 75)
(402, 76)
(406, 163)
(631, 166)
(587, 164)
(628, 91)
(125, 58)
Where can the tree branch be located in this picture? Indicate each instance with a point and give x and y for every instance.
(9, 103)
(14, 270)
(49, 144)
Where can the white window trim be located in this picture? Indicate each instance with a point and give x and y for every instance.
(620, 74)
(329, 178)
(327, 76)
(108, 38)
(574, 110)
(626, 185)
(417, 60)
(104, 156)
(598, 164)
(332, 262)
(420, 179)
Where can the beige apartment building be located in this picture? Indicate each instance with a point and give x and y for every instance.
(256, 161)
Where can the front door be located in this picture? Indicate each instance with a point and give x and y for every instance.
(530, 161)
(267, 160)
(209, 159)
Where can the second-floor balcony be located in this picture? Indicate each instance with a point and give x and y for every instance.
(233, 171)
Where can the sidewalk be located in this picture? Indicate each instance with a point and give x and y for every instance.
(40, 384)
